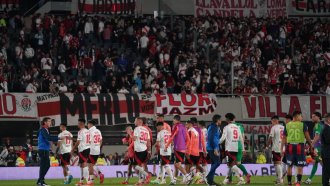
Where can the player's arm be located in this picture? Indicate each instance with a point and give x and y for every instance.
(308, 138)
(203, 143)
(316, 136)
(135, 134)
(173, 134)
(284, 140)
(224, 135)
(270, 139)
(49, 137)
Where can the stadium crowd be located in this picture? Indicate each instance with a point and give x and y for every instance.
(78, 53)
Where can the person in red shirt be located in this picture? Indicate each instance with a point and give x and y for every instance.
(128, 140)
(87, 65)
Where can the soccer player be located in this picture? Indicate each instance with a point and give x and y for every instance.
(142, 149)
(295, 133)
(65, 148)
(128, 140)
(83, 145)
(213, 148)
(275, 140)
(163, 136)
(193, 148)
(204, 160)
(95, 150)
(180, 140)
(287, 119)
(230, 117)
(316, 118)
(232, 135)
(158, 180)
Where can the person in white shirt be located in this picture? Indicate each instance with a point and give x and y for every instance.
(163, 136)
(83, 145)
(142, 149)
(274, 141)
(328, 89)
(65, 148)
(46, 63)
(31, 87)
(231, 135)
(95, 150)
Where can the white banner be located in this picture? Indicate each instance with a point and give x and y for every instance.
(18, 106)
(240, 8)
(186, 104)
(257, 107)
(308, 8)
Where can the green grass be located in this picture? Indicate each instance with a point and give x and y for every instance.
(257, 180)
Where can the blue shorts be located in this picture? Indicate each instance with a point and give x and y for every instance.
(295, 155)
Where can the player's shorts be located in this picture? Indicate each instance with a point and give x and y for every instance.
(165, 160)
(193, 160)
(83, 156)
(179, 157)
(295, 155)
(239, 156)
(231, 156)
(276, 156)
(92, 159)
(204, 160)
(140, 157)
(65, 159)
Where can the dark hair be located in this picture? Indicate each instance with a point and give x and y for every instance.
(82, 120)
(177, 117)
(318, 114)
(216, 117)
(92, 121)
(144, 120)
(202, 123)
(160, 115)
(288, 116)
(230, 116)
(45, 120)
(159, 124)
(296, 113)
(64, 124)
(193, 120)
(275, 117)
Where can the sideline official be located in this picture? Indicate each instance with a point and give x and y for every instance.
(43, 149)
(325, 150)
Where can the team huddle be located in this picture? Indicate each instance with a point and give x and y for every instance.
(193, 145)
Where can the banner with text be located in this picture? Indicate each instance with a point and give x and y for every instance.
(241, 8)
(257, 107)
(117, 7)
(308, 8)
(186, 104)
(18, 106)
(107, 109)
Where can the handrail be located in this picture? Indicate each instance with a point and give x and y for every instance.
(33, 7)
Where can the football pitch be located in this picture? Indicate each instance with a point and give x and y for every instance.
(255, 180)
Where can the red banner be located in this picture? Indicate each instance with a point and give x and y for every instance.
(107, 6)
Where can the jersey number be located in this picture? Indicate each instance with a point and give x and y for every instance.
(294, 134)
(88, 139)
(97, 139)
(166, 138)
(67, 140)
(235, 134)
(143, 136)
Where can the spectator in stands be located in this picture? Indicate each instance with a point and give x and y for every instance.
(27, 148)
(11, 158)
(3, 156)
(261, 158)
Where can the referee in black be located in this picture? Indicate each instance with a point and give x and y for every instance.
(43, 149)
(325, 151)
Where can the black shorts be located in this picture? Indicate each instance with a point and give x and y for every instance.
(193, 160)
(92, 159)
(83, 156)
(284, 159)
(165, 160)
(140, 157)
(204, 160)
(179, 157)
(65, 159)
(231, 156)
(276, 156)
